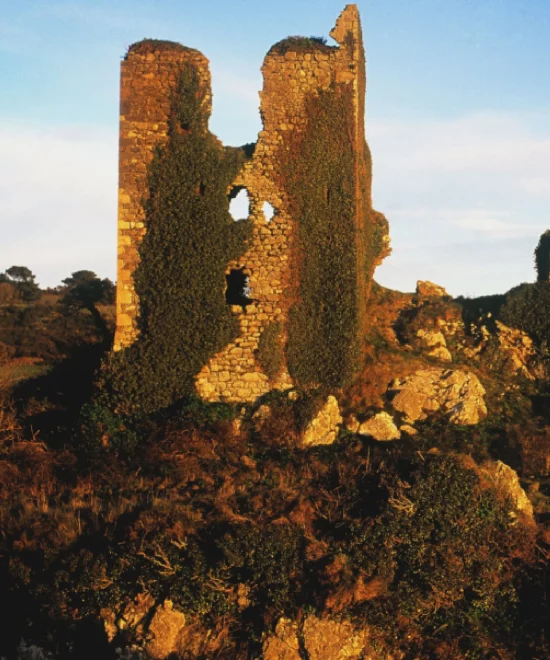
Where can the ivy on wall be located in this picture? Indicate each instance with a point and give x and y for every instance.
(318, 173)
(180, 281)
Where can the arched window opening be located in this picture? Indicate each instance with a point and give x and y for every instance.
(238, 288)
(239, 203)
(269, 211)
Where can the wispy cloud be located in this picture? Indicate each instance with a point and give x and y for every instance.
(58, 199)
(482, 178)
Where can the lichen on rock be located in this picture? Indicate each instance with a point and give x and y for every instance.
(456, 393)
(323, 428)
(380, 427)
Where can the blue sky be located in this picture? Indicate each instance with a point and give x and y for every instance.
(458, 120)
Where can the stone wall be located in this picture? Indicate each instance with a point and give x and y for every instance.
(293, 71)
(149, 76)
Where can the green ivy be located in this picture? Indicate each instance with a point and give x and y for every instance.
(270, 351)
(180, 281)
(319, 176)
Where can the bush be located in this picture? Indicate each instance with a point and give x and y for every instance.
(527, 307)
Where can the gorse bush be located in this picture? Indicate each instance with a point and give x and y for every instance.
(180, 280)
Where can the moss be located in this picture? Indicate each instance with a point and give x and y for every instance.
(180, 280)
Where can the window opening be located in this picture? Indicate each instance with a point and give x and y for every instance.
(269, 211)
(238, 290)
(239, 203)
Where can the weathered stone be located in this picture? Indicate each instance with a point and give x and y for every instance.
(380, 427)
(323, 428)
(283, 644)
(518, 351)
(326, 639)
(435, 342)
(430, 290)
(165, 628)
(455, 393)
(506, 480)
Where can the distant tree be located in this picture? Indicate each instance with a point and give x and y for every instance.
(84, 289)
(542, 257)
(24, 280)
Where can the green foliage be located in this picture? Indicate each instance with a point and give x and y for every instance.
(527, 307)
(268, 560)
(151, 45)
(300, 45)
(180, 280)
(270, 351)
(323, 324)
(542, 257)
(473, 309)
(101, 430)
(24, 281)
(419, 547)
(84, 288)
(445, 549)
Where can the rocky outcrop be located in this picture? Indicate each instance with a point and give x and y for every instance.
(133, 616)
(506, 350)
(320, 639)
(427, 289)
(284, 643)
(506, 480)
(435, 344)
(380, 427)
(323, 428)
(326, 639)
(455, 393)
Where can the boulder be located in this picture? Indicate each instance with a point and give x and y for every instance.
(456, 393)
(323, 428)
(506, 481)
(518, 351)
(165, 629)
(283, 644)
(380, 427)
(327, 639)
(435, 344)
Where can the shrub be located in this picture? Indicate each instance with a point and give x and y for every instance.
(542, 258)
(527, 307)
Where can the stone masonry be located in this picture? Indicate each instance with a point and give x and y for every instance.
(291, 76)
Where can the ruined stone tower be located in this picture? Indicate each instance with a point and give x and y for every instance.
(299, 76)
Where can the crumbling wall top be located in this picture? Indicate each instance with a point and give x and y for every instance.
(157, 46)
(348, 21)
